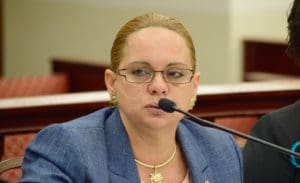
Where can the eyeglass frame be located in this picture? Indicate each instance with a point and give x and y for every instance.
(153, 75)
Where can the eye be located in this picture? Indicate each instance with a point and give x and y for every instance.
(174, 73)
(140, 71)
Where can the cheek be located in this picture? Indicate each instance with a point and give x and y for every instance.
(127, 92)
(183, 97)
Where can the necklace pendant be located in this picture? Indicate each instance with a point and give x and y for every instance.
(156, 177)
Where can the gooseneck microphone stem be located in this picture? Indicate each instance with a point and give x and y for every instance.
(243, 135)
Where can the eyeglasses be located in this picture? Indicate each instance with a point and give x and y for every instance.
(146, 75)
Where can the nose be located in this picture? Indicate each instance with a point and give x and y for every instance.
(158, 84)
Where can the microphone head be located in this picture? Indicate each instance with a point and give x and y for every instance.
(166, 105)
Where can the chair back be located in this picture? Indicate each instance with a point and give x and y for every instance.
(11, 163)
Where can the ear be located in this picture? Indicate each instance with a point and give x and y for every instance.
(196, 81)
(110, 78)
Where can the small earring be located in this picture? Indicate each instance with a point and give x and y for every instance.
(192, 102)
(114, 100)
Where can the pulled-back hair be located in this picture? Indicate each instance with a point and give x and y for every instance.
(144, 21)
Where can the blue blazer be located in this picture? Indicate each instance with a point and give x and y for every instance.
(96, 148)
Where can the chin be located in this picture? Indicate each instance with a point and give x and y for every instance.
(161, 122)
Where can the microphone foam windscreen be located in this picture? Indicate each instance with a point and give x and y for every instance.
(166, 105)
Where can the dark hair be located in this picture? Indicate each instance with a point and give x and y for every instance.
(293, 21)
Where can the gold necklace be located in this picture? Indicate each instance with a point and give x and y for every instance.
(156, 177)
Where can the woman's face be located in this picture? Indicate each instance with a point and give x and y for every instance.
(152, 49)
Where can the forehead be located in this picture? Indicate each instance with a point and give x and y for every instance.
(156, 36)
(156, 45)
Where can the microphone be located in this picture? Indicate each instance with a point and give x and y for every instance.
(170, 106)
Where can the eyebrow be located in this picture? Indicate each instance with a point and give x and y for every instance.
(140, 62)
(148, 64)
(176, 64)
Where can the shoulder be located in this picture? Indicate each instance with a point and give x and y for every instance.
(78, 145)
(213, 140)
(279, 125)
(92, 120)
(206, 134)
(287, 112)
(286, 116)
(77, 130)
(213, 147)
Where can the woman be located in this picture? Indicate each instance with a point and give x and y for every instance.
(280, 127)
(152, 57)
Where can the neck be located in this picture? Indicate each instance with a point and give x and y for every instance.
(157, 145)
(149, 144)
(160, 165)
(153, 152)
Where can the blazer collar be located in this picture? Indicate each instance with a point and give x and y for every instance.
(121, 162)
(120, 157)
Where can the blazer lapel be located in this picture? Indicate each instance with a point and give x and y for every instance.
(121, 164)
(120, 157)
(197, 164)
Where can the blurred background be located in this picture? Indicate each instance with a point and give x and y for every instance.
(50, 47)
(37, 31)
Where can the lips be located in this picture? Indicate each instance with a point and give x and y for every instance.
(152, 106)
(154, 109)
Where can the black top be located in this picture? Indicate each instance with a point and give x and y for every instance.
(263, 164)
